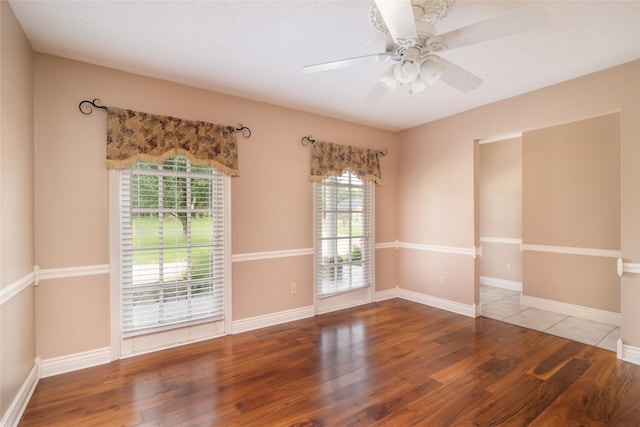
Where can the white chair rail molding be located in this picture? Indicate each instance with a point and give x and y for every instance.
(627, 267)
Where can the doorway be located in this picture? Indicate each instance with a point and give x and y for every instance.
(549, 228)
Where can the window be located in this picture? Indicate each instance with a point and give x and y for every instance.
(172, 245)
(344, 222)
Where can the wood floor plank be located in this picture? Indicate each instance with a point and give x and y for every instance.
(392, 363)
(550, 365)
(571, 406)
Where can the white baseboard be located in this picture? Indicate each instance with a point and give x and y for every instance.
(12, 417)
(251, 323)
(73, 362)
(628, 353)
(583, 312)
(511, 285)
(444, 304)
(386, 294)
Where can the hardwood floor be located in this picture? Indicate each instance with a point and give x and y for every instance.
(394, 363)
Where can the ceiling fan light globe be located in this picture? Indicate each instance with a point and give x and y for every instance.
(390, 81)
(406, 71)
(431, 69)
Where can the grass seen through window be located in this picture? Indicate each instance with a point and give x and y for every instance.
(146, 241)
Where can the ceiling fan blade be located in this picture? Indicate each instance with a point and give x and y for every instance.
(500, 26)
(399, 19)
(459, 78)
(377, 93)
(341, 63)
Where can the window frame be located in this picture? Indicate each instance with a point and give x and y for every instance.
(368, 245)
(123, 345)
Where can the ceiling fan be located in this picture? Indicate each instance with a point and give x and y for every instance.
(413, 44)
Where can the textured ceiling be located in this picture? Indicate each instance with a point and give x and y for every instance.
(255, 49)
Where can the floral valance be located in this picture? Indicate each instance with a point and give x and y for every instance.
(329, 159)
(133, 136)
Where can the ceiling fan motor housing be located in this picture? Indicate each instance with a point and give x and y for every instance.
(429, 11)
(425, 42)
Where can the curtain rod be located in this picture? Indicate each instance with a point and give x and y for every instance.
(306, 140)
(86, 107)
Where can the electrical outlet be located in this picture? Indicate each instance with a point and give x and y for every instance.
(508, 266)
(443, 280)
(293, 288)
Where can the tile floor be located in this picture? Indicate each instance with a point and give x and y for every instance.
(503, 304)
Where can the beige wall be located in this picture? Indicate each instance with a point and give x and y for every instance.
(501, 189)
(501, 261)
(500, 210)
(76, 322)
(588, 281)
(271, 199)
(17, 330)
(436, 174)
(17, 150)
(435, 186)
(571, 197)
(436, 207)
(571, 178)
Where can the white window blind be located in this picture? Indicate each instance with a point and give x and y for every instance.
(344, 230)
(172, 236)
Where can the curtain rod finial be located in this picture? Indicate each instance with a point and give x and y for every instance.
(246, 132)
(306, 140)
(86, 107)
